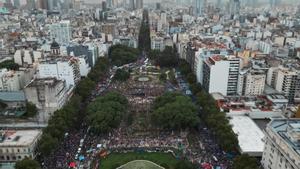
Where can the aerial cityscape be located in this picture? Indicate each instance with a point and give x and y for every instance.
(149, 84)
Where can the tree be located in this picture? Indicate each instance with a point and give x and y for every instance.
(244, 161)
(2, 105)
(164, 99)
(195, 88)
(191, 78)
(121, 75)
(106, 112)
(172, 77)
(176, 113)
(120, 55)
(27, 163)
(184, 67)
(154, 54)
(47, 144)
(72, 113)
(184, 164)
(163, 77)
(210, 113)
(99, 70)
(85, 87)
(168, 58)
(9, 64)
(31, 110)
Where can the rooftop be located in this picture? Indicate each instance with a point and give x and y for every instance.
(19, 137)
(43, 81)
(289, 130)
(249, 134)
(12, 96)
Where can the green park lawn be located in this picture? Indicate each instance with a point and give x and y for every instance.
(115, 160)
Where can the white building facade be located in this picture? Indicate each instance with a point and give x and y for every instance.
(251, 83)
(47, 93)
(220, 74)
(9, 80)
(67, 69)
(282, 145)
(17, 145)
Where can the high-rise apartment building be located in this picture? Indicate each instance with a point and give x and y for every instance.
(61, 32)
(139, 4)
(9, 80)
(251, 82)
(285, 80)
(288, 83)
(63, 68)
(221, 74)
(282, 144)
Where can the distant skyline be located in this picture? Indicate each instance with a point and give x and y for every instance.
(22, 2)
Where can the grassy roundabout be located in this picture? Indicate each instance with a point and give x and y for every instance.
(140, 164)
(116, 160)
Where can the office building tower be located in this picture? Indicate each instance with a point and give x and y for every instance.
(234, 7)
(158, 6)
(61, 32)
(109, 3)
(17, 3)
(218, 4)
(198, 8)
(50, 5)
(43, 4)
(274, 3)
(298, 11)
(30, 4)
(139, 4)
(104, 6)
(131, 4)
(282, 150)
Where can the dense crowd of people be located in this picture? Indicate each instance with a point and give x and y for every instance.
(203, 150)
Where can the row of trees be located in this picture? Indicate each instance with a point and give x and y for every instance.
(27, 163)
(216, 120)
(31, 110)
(144, 39)
(121, 55)
(106, 112)
(66, 118)
(122, 75)
(9, 64)
(174, 111)
(167, 58)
